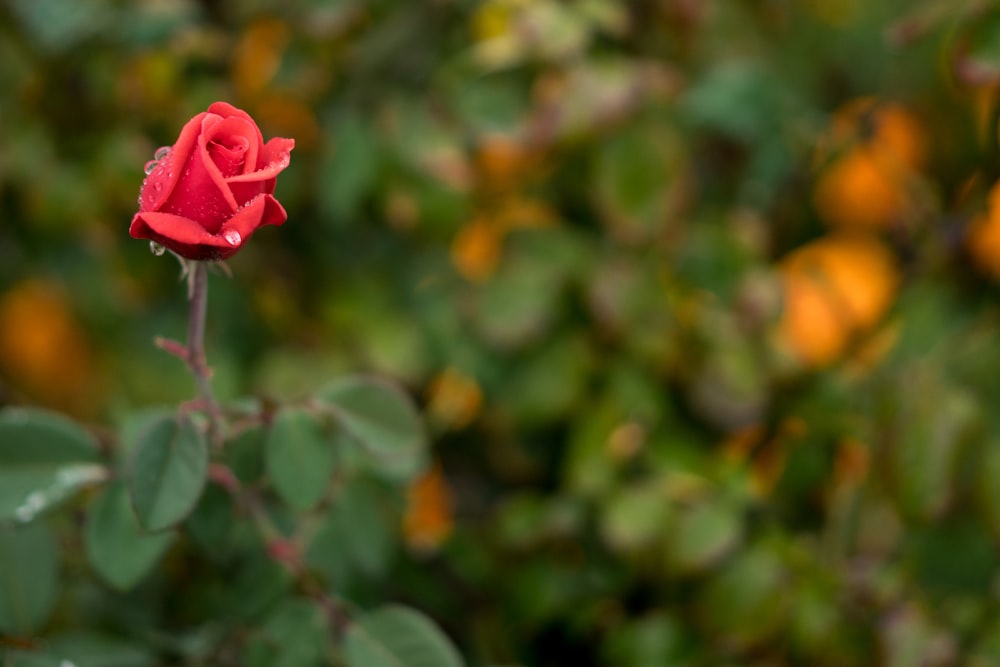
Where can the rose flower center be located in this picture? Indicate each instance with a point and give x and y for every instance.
(228, 153)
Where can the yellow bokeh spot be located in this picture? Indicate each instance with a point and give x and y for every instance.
(428, 519)
(42, 348)
(475, 251)
(834, 289)
(258, 54)
(501, 162)
(626, 440)
(983, 239)
(492, 20)
(880, 147)
(858, 192)
(889, 129)
(149, 80)
(764, 453)
(852, 462)
(454, 399)
(525, 213)
(837, 13)
(286, 116)
(899, 136)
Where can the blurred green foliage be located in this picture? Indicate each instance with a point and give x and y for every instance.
(699, 297)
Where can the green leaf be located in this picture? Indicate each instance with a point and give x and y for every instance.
(655, 639)
(294, 635)
(134, 424)
(32, 658)
(702, 534)
(636, 180)
(634, 517)
(987, 491)
(89, 649)
(396, 636)
(550, 381)
(356, 534)
(349, 170)
(745, 603)
(244, 455)
(518, 306)
(28, 578)
(211, 524)
(256, 586)
(168, 472)
(739, 83)
(933, 422)
(383, 419)
(300, 457)
(590, 469)
(44, 458)
(116, 545)
(59, 25)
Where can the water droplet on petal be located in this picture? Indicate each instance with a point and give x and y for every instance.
(161, 152)
(157, 186)
(232, 237)
(156, 248)
(150, 166)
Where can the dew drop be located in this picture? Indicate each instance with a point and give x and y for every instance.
(157, 186)
(27, 510)
(156, 248)
(35, 500)
(150, 166)
(161, 152)
(78, 475)
(232, 237)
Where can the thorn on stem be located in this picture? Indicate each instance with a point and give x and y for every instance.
(286, 553)
(224, 477)
(173, 347)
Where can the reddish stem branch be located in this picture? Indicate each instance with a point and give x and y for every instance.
(285, 551)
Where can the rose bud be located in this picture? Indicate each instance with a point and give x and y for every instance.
(205, 196)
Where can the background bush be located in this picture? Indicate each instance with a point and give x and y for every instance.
(699, 299)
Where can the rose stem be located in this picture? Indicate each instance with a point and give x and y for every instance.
(196, 341)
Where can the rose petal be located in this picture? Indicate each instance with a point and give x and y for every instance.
(168, 173)
(276, 154)
(232, 145)
(264, 210)
(185, 237)
(274, 158)
(227, 110)
(204, 195)
(211, 169)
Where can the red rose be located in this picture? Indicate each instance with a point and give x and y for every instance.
(206, 195)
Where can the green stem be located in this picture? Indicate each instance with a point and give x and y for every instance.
(196, 343)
